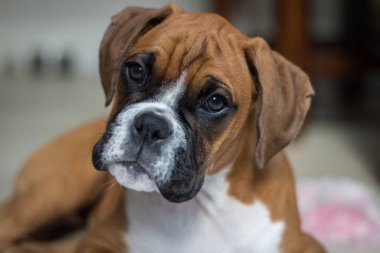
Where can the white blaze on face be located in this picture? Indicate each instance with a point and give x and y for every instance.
(121, 147)
(174, 93)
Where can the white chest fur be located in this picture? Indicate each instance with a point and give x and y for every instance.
(211, 222)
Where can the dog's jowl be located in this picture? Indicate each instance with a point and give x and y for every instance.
(200, 116)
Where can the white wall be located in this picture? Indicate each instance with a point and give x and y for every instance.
(77, 25)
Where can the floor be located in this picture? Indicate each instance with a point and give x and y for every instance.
(32, 111)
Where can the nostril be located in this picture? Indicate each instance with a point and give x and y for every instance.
(162, 133)
(138, 123)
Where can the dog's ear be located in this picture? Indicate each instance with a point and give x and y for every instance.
(124, 30)
(283, 98)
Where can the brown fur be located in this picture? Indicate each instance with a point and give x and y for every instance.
(57, 180)
(273, 97)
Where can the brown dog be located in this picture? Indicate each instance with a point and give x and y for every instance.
(200, 115)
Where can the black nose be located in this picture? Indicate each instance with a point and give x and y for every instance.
(152, 126)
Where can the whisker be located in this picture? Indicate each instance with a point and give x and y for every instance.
(107, 184)
(113, 184)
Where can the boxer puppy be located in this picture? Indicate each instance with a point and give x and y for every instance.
(200, 116)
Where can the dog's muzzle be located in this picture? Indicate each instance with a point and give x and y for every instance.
(140, 146)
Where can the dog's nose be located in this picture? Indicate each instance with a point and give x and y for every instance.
(152, 126)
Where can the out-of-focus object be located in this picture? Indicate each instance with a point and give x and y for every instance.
(336, 42)
(7, 66)
(339, 211)
(51, 60)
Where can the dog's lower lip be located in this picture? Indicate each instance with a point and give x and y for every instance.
(135, 166)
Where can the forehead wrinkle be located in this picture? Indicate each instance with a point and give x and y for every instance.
(194, 69)
(216, 43)
(205, 55)
(196, 51)
(185, 53)
(175, 57)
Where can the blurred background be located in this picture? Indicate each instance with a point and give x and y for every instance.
(49, 81)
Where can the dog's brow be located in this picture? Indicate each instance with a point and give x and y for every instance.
(214, 79)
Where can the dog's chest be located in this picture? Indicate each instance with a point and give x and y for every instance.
(211, 222)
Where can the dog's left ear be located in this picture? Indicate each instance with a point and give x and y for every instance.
(126, 27)
(283, 98)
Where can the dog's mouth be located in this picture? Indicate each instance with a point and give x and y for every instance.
(132, 175)
(134, 166)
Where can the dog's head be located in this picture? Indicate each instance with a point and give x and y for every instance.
(188, 90)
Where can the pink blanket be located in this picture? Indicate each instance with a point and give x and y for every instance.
(339, 211)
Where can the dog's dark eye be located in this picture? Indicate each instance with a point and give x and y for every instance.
(216, 103)
(136, 72)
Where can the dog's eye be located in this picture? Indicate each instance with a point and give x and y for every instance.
(136, 72)
(216, 103)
